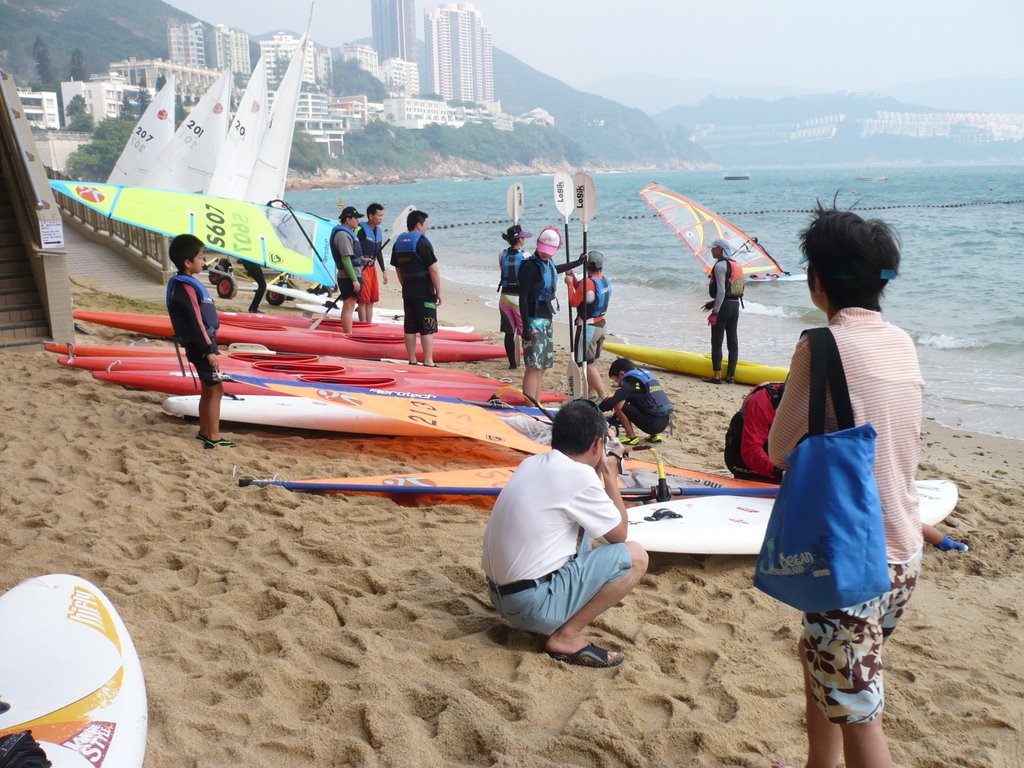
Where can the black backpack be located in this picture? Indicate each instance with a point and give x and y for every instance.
(734, 435)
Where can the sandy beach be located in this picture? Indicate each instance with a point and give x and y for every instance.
(283, 629)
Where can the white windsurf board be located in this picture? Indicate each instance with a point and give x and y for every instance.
(735, 525)
(70, 673)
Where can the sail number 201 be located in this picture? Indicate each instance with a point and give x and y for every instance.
(220, 229)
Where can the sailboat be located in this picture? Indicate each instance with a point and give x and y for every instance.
(698, 227)
(242, 145)
(149, 138)
(187, 164)
(270, 172)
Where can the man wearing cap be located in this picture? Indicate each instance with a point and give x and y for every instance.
(590, 321)
(371, 240)
(538, 282)
(416, 266)
(725, 285)
(509, 261)
(348, 258)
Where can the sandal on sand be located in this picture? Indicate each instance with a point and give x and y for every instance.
(712, 380)
(221, 443)
(653, 438)
(589, 656)
(627, 440)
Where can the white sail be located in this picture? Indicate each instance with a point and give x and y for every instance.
(149, 138)
(271, 170)
(242, 145)
(187, 164)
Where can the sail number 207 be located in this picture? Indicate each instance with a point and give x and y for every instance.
(231, 234)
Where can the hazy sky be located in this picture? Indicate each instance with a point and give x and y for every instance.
(814, 44)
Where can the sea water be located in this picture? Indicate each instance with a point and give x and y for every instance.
(957, 294)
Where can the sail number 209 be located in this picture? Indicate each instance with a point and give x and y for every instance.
(219, 230)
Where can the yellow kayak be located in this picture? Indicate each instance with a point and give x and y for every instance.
(696, 364)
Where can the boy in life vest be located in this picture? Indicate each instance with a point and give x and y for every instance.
(639, 401)
(725, 285)
(591, 321)
(195, 323)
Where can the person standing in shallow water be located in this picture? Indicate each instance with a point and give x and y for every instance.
(509, 261)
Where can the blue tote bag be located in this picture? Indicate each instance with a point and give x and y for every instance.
(825, 544)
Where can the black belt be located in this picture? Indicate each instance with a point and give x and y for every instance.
(519, 586)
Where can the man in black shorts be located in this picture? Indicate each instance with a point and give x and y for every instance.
(347, 251)
(416, 266)
(195, 323)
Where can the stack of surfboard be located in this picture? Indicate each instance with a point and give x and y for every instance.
(372, 342)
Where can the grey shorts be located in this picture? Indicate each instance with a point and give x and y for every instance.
(548, 606)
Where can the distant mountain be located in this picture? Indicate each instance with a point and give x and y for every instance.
(656, 93)
(825, 129)
(965, 94)
(105, 31)
(609, 131)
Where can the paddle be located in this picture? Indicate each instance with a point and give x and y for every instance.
(398, 227)
(564, 204)
(629, 494)
(514, 201)
(586, 204)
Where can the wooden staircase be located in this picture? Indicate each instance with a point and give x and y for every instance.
(22, 317)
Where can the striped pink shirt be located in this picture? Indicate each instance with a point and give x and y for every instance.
(886, 390)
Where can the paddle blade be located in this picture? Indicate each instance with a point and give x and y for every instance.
(585, 198)
(575, 387)
(563, 194)
(514, 201)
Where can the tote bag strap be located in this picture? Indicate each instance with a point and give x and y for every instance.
(826, 365)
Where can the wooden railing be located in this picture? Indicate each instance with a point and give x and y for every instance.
(147, 248)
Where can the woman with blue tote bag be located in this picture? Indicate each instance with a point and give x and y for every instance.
(849, 262)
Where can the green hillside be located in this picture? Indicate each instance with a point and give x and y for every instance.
(105, 31)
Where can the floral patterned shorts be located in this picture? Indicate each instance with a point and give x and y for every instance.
(843, 649)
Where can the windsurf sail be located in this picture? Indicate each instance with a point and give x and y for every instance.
(270, 172)
(149, 138)
(187, 164)
(698, 227)
(279, 238)
(242, 145)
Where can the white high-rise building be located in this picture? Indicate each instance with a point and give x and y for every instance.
(460, 55)
(316, 69)
(364, 55)
(231, 50)
(401, 77)
(185, 43)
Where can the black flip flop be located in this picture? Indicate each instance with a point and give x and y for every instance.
(588, 656)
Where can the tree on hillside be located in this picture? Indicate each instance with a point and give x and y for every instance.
(78, 119)
(76, 70)
(307, 156)
(94, 161)
(349, 79)
(44, 67)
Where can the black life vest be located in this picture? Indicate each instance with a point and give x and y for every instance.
(511, 260)
(652, 398)
(357, 250)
